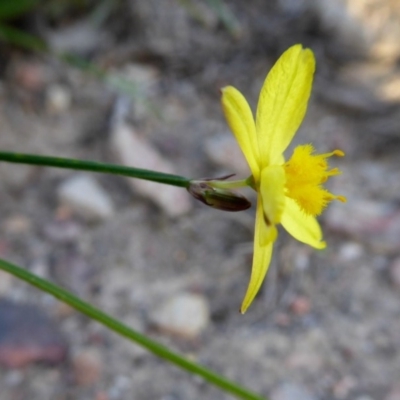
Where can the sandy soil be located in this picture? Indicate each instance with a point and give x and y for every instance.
(326, 324)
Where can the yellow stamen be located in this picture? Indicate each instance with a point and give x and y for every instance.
(305, 174)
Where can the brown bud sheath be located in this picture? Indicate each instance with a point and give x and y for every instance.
(220, 199)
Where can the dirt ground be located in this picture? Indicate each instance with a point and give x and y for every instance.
(326, 325)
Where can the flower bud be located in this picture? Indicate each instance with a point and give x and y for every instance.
(220, 199)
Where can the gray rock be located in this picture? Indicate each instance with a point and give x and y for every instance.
(376, 223)
(224, 150)
(394, 393)
(58, 99)
(364, 397)
(133, 150)
(28, 335)
(185, 315)
(394, 272)
(88, 366)
(291, 391)
(84, 195)
(80, 37)
(350, 251)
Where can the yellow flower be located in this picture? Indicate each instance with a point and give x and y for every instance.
(289, 193)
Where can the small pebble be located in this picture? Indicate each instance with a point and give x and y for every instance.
(101, 396)
(58, 99)
(282, 319)
(394, 272)
(6, 283)
(63, 310)
(86, 197)
(119, 386)
(342, 388)
(17, 224)
(40, 267)
(364, 397)
(350, 251)
(88, 367)
(13, 377)
(291, 391)
(30, 76)
(394, 393)
(63, 231)
(300, 305)
(184, 315)
(374, 222)
(145, 76)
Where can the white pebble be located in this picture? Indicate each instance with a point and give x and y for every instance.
(85, 196)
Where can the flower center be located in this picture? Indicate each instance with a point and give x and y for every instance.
(305, 174)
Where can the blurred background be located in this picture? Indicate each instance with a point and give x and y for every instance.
(136, 82)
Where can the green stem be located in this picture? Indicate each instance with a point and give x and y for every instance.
(94, 166)
(222, 184)
(123, 330)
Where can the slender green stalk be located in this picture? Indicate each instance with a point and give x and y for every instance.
(93, 166)
(123, 330)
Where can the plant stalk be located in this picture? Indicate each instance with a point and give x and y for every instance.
(124, 330)
(93, 166)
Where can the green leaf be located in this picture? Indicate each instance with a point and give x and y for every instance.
(20, 38)
(10, 9)
(125, 331)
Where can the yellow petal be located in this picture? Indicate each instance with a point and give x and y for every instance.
(272, 186)
(241, 121)
(261, 258)
(283, 102)
(301, 226)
